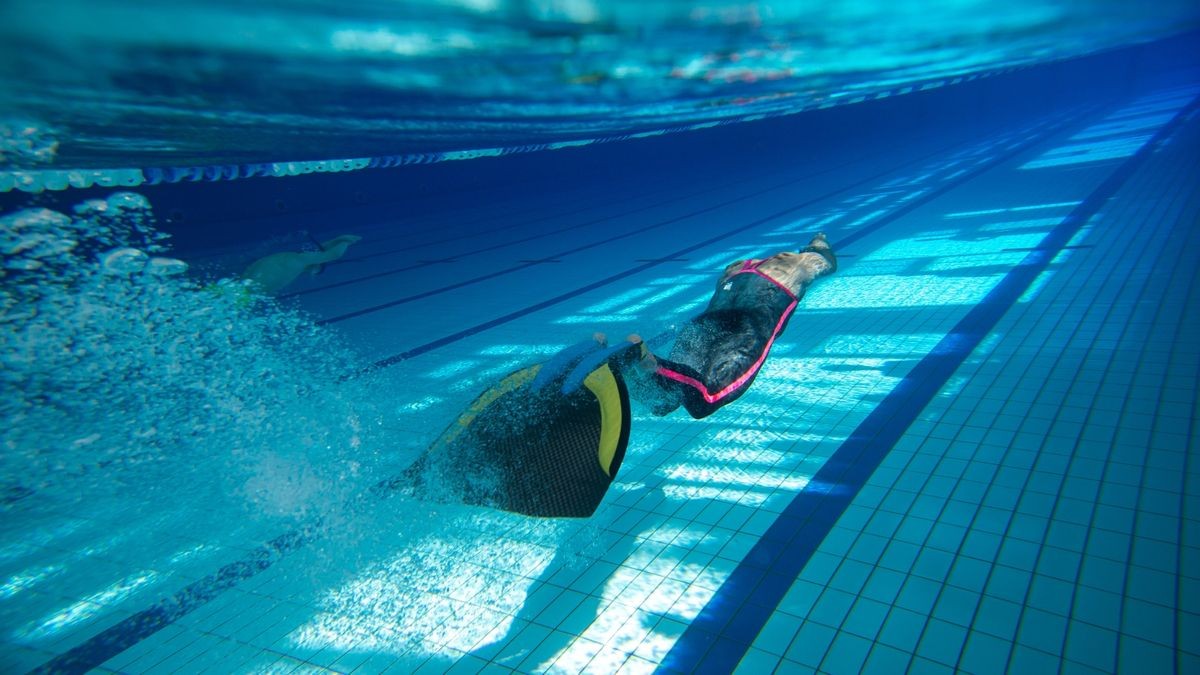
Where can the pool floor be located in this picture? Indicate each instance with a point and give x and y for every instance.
(971, 451)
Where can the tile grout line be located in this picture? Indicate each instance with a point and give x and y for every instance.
(455, 337)
(118, 638)
(818, 505)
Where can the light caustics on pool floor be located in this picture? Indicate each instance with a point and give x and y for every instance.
(1031, 516)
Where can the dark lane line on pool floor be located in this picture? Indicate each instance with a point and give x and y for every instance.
(484, 249)
(497, 222)
(720, 635)
(904, 208)
(503, 209)
(519, 220)
(141, 625)
(516, 268)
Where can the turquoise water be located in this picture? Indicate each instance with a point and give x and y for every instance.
(972, 450)
(213, 90)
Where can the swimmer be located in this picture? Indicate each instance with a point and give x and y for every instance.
(718, 353)
(273, 273)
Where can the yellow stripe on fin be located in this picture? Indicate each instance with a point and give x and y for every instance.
(603, 384)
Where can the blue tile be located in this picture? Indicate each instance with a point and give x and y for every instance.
(946, 536)
(778, 633)
(997, 617)
(1018, 553)
(869, 548)
(985, 654)
(993, 520)
(1119, 495)
(1151, 585)
(846, 655)
(884, 659)
(1051, 595)
(969, 492)
(938, 489)
(1092, 646)
(1008, 583)
(820, 568)
(854, 519)
(757, 661)
(1139, 656)
(1084, 490)
(502, 640)
(1090, 469)
(902, 629)
(1030, 528)
(1042, 630)
(1004, 497)
(810, 644)
(1150, 622)
(942, 642)
(851, 576)
(832, 607)
(1155, 554)
(1069, 536)
(914, 529)
(918, 594)
(883, 524)
(1102, 573)
(1043, 485)
(898, 501)
(524, 644)
(1026, 660)
(1163, 480)
(801, 597)
(884, 585)
(933, 563)
(956, 606)
(981, 545)
(1189, 624)
(866, 618)
(539, 598)
(923, 666)
(900, 556)
(969, 573)
(838, 541)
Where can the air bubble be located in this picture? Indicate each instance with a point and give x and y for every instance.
(124, 261)
(166, 267)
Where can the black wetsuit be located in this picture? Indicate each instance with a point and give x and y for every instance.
(718, 354)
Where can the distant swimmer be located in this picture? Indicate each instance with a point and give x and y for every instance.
(273, 273)
(718, 353)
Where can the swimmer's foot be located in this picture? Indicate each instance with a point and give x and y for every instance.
(819, 241)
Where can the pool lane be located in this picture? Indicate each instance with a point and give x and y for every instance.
(722, 632)
(105, 643)
(129, 632)
(141, 625)
(896, 211)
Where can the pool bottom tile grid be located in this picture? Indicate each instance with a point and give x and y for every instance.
(1039, 514)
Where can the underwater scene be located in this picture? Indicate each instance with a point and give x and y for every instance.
(569, 336)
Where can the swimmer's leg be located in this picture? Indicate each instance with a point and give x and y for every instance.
(798, 270)
(820, 245)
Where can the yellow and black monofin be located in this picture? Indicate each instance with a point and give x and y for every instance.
(546, 440)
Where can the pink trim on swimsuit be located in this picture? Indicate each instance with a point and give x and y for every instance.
(747, 267)
(751, 267)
